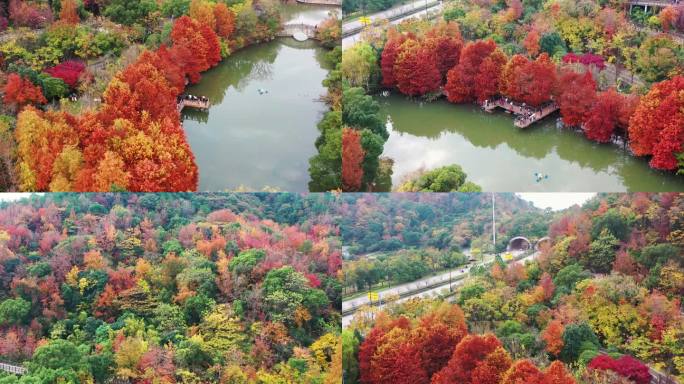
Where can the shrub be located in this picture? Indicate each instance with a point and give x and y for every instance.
(626, 366)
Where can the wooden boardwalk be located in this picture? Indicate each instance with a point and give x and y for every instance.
(525, 115)
(15, 369)
(197, 104)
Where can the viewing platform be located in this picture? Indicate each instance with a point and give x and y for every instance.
(525, 115)
(201, 103)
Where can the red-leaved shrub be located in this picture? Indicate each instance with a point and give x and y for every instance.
(625, 366)
(69, 71)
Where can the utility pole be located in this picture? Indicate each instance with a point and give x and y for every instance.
(450, 290)
(493, 225)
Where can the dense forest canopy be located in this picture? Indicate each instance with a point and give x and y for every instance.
(387, 222)
(164, 288)
(600, 304)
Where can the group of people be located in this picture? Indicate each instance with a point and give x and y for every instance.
(203, 99)
(525, 113)
(527, 117)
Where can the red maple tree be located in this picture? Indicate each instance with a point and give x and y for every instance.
(657, 126)
(469, 354)
(352, 160)
(445, 42)
(415, 69)
(461, 79)
(576, 96)
(389, 57)
(531, 82)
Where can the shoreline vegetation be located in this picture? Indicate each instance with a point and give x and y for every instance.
(529, 54)
(112, 147)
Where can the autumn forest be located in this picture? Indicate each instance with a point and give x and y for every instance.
(597, 299)
(166, 288)
(606, 70)
(341, 191)
(91, 90)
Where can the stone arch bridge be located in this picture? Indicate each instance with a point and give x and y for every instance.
(299, 31)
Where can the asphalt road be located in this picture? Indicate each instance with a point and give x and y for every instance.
(439, 283)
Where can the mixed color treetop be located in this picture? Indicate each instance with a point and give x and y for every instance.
(600, 304)
(165, 288)
(90, 88)
(614, 76)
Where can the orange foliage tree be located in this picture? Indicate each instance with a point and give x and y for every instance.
(657, 126)
(668, 17)
(195, 47)
(20, 91)
(557, 374)
(225, 20)
(531, 82)
(415, 69)
(461, 83)
(135, 141)
(69, 12)
(553, 337)
(352, 159)
(531, 43)
(42, 138)
(523, 372)
(202, 11)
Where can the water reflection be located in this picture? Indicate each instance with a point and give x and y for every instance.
(500, 157)
(261, 128)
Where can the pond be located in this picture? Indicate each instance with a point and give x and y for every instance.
(261, 128)
(500, 157)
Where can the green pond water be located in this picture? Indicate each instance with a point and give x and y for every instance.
(261, 128)
(500, 157)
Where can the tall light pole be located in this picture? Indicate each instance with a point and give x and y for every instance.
(493, 226)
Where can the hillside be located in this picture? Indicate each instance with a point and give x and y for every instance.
(387, 222)
(159, 288)
(601, 304)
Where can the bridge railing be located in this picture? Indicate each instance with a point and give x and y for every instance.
(200, 104)
(637, 2)
(17, 370)
(321, 2)
(307, 29)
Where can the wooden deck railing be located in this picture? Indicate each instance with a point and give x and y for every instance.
(15, 369)
(525, 114)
